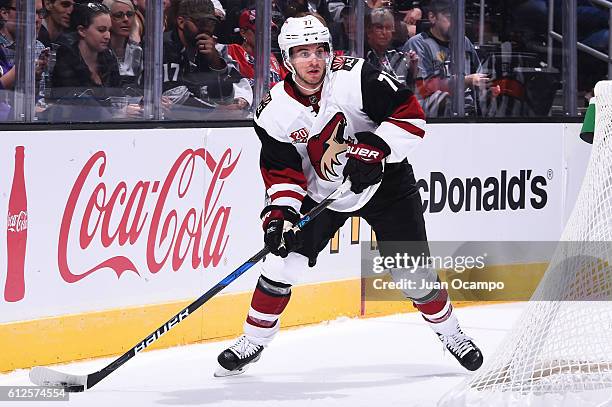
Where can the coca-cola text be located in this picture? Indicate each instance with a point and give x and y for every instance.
(199, 235)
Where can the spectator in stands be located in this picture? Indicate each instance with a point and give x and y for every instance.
(8, 18)
(128, 52)
(380, 25)
(244, 53)
(433, 81)
(85, 64)
(57, 20)
(192, 59)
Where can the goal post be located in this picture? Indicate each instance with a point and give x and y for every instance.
(559, 353)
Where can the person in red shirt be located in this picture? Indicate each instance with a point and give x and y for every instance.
(243, 53)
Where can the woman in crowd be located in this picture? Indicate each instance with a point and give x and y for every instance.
(85, 64)
(244, 53)
(128, 52)
(379, 29)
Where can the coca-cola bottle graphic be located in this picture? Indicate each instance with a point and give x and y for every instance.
(16, 233)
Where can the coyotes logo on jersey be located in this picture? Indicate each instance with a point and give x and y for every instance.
(324, 148)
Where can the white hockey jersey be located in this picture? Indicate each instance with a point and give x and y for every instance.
(304, 139)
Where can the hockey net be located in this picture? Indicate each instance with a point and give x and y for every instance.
(560, 351)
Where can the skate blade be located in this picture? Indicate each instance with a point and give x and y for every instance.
(222, 372)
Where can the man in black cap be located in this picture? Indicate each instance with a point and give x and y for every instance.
(193, 59)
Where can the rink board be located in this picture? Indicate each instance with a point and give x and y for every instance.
(125, 227)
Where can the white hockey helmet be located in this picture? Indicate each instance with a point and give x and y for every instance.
(301, 31)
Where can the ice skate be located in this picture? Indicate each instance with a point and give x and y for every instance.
(236, 359)
(460, 345)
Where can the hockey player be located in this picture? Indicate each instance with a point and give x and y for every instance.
(334, 118)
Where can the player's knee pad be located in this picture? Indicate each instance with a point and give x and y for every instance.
(416, 284)
(288, 270)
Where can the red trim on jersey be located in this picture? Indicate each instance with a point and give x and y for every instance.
(291, 89)
(409, 127)
(287, 194)
(284, 176)
(410, 109)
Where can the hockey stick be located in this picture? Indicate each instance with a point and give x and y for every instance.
(44, 376)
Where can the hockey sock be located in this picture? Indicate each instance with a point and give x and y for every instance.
(269, 301)
(436, 307)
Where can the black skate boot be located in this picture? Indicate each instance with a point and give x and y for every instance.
(235, 359)
(458, 344)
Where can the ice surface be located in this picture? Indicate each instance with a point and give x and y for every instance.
(388, 361)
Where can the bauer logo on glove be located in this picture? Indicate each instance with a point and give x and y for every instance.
(365, 153)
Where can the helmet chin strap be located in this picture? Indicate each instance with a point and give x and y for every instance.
(315, 89)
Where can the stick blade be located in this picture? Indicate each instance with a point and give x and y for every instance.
(43, 376)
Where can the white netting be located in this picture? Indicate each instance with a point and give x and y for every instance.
(560, 351)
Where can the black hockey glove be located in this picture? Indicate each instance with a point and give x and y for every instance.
(277, 224)
(364, 166)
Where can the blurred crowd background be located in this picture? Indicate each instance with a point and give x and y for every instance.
(89, 56)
